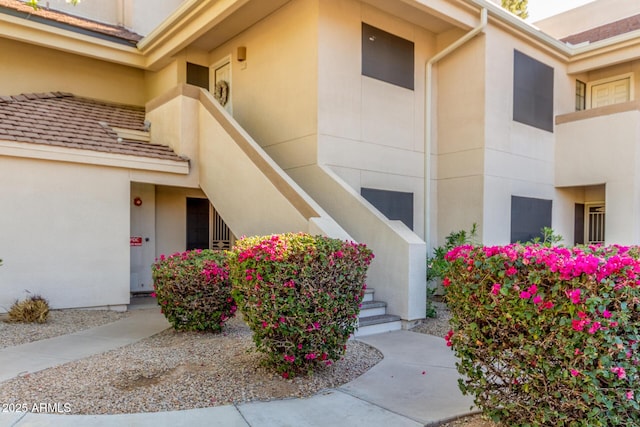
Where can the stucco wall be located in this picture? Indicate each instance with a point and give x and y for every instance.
(27, 68)
(273, 92)
(459, 145)
(519, 159)
(171, 218)
(583, 159)
(371, 133)
(65, 230)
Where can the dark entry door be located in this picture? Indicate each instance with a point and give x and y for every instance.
(197, 223)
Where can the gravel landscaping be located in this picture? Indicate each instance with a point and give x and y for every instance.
(178, 370)
(60, 322)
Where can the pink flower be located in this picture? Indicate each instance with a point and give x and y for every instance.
(153, 295)
(629, 395)
(574, 373)
(511, 271)
(285, 375)
(537, 300)
(525, 295)
(606, 314)
(620, 372)
(574, 295)
(594, 327)
(448, 338)
(265, 325)
(495, 289)
(310, 356)
(446, 282)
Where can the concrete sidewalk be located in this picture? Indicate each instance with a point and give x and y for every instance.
(414, 385)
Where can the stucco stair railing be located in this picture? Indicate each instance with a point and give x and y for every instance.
(255, 196)
(398, 272)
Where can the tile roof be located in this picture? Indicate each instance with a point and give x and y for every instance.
(69, 22)
(606, 31)
(64, 120)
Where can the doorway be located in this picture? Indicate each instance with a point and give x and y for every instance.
(205, 227)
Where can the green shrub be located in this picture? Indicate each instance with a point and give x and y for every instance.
(34, 309)
(193, 289)
(548, 336)
(300, 295)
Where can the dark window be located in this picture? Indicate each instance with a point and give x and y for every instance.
(528, 217)
(197, 224)
(198, 75)
(581, 99)
(578, 229)
(394, 205)
(387, 57)
(532, 92)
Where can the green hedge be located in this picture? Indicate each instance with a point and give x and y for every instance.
(193, 289)
(548, 336)
(300, 295)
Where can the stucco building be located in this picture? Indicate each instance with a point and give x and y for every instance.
(392, 123)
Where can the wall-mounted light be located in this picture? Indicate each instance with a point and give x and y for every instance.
(137, 201)
(241, 54)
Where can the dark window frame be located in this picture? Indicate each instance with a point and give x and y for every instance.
(533, 89)
(528, 217)
(387, 57)
(581, 95)
(395, 205)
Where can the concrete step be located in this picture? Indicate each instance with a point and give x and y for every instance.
(378, 324)
(368, 295)
(373, 308)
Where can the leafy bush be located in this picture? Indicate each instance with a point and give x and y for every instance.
(34, 309)
(548, 336)
(437, 264)
(194, 290)
(300, 295)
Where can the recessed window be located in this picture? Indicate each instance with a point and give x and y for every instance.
(581, 95)
(528, 217)
(198, 75)
(532, 92)
(387, 57)
(395, 205)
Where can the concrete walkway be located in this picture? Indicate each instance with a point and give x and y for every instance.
(414, 385)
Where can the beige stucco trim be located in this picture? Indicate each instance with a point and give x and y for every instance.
(23, 30)
(597, 112)
(88, 157)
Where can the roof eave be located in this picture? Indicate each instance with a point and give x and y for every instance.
(98, 158)
(39, 34)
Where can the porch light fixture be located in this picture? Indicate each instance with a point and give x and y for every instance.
(241, 54)
(137, 201)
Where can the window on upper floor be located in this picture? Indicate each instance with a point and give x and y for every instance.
(198, 75)
(581, 95)
(532, 92)
(387, 57)
(611, 90)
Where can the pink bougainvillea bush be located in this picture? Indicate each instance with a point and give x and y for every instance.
(193, 289)
(548, 336)
(300, 295)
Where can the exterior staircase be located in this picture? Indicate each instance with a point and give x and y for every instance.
(373, 317)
